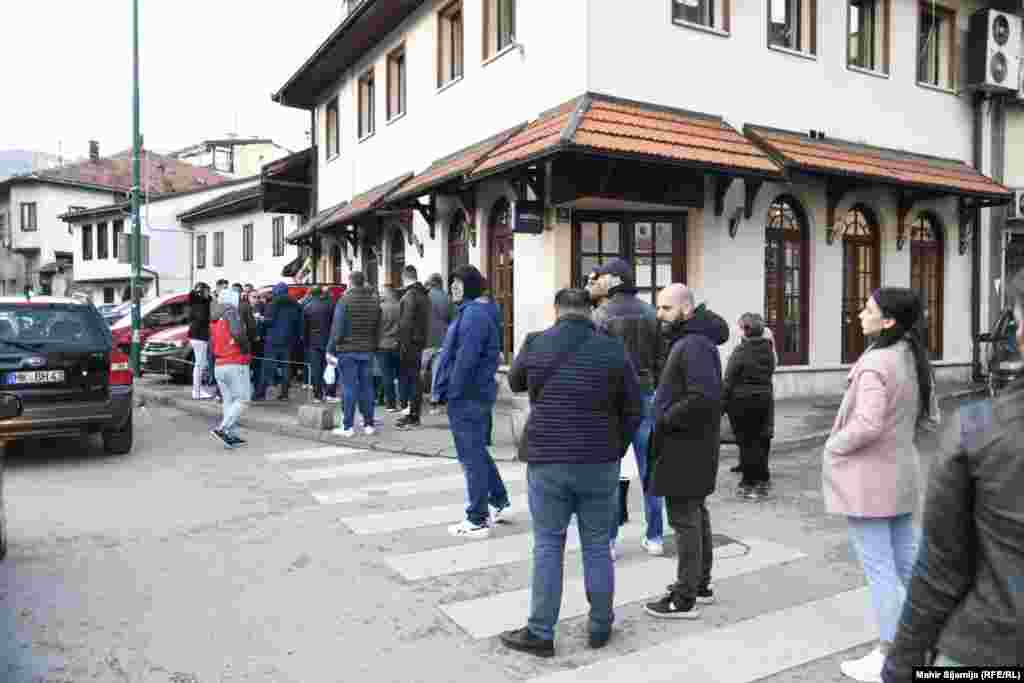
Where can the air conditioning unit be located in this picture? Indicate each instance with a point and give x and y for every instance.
(994, 51)
(1015, 211)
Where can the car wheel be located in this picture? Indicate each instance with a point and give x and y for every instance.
(119, 442)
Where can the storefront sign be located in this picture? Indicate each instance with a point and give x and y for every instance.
(528, 217)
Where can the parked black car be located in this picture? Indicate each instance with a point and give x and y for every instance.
(57, 356)
(1003, 363)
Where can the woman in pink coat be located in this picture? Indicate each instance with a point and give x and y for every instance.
(871, 470)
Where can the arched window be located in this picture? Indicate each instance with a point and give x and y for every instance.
(861, 275)
(786, 277)
(458, 242)
(926, 275)
(500, 262)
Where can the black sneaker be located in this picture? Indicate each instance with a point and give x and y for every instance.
(705, 596)
(745, 489)
(669, 607)
(236, 441)
(407, 421)
(598, 640)
(524, 641)
(221, 438)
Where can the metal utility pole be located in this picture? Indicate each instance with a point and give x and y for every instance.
(136, 195)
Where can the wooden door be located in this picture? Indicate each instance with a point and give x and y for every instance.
(926, 277)
(501, 262)
(397, 258)
(861, 277)
(786, 274)
(458, 244)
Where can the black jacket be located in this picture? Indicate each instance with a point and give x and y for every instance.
(590, 407)
(748, 375)
(966, 597)
(199, 317)
(688, 409)
(635, 322)
(414, 321)
(317, 316)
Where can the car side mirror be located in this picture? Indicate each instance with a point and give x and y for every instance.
(10, 406)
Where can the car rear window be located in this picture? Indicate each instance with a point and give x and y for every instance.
(44, 324)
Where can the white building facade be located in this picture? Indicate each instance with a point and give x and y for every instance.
(782, 158)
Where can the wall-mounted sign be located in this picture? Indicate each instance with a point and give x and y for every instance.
(528, 217)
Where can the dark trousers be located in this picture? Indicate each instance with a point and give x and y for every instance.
(689, 518)
(409, 377)
(275, 369)
(315, 359)
(749, 418)
(389, 367)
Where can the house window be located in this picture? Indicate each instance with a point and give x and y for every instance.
(499, 26)
(102, 245)
(396, 83)
(3, 227)
(200, 251)
(861, 276)
(218, 249)
(224, 159)
(366, 113)
(86, 242)
(333, 131)
(712, 14)
(247, 242)
(792, 25)
(936, 47)
(278, 229)
(118, 230)
(926, 276)
(145, 250)
(867, 35)
(786, 278)
(28, 217)
(108, 295)
(449, 44)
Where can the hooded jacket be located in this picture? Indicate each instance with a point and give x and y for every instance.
(624, 316)
(966, 597)
(318, 314)
(440, 317)
(469, 355)
(688, 409)
(199, 314)
(414, 325)
(230, 336)
(748, 377)
(390, 314)
(284, 320)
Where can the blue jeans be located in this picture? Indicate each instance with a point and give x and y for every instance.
(236, 389)
(316, 359)
(389, 370)
(887, 549)
(469, 420)
(556, 492)
(274, 367)
(356, 387)
(653, 505)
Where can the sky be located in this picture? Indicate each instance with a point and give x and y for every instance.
(204, 64)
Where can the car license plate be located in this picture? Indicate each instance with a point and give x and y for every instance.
(35, 377)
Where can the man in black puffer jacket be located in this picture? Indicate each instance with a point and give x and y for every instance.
(686, 442)
(355, 333)
(585, 405)
(413, 330)
(965, 601)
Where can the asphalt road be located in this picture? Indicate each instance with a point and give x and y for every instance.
(186, 563)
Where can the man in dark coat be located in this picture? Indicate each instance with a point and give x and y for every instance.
(199, 338)
(413, 329)
(317, 315)
(355, 333)
(686, 441)
(586, 403)
(283, 332)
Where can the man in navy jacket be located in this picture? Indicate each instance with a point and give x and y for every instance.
(586, 404)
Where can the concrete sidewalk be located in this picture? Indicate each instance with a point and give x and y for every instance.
(799, 423)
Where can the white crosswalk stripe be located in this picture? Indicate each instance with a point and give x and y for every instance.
(771, 642)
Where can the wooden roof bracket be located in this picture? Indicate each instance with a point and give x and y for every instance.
(721, 187)
(467, 200)
(835, 190)
(965, 212)
(751, 187)
(351, 235)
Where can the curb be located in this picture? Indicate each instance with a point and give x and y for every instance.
(324, 436)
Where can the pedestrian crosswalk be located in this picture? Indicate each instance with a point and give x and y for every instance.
(379, 493)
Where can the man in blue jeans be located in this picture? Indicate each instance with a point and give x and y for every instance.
(355, 333)
(465, 378)
(585, 405)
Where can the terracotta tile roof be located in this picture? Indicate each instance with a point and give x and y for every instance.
(608, 125)
(352, 210)
(161, 173)
(452, 167)
(875, 164)
(314, 223)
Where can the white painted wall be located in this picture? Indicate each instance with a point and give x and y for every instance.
(265, 268)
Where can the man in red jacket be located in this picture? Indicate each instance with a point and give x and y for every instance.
(231, 347)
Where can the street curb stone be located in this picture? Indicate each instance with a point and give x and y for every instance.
(199, 408)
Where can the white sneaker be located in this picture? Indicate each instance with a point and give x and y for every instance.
(344, 432)
(369, 431)
(332, 399)
(466, 529)
(656, 548)
(406, 411)
(611, 548)
(867, 669)
(497, 516)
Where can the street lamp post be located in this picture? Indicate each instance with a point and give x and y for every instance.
(135, 196)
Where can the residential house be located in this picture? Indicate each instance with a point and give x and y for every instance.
(232, 156)
(777, 158)
(38, 245)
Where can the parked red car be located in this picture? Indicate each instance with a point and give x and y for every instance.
(158, 314)
(167, 351)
